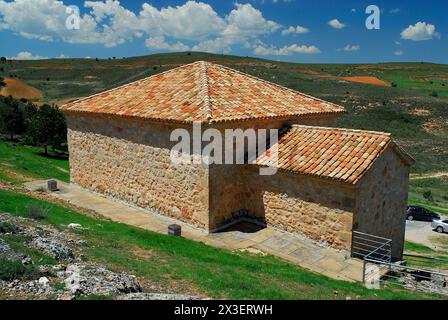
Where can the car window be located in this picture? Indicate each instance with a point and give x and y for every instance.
(445, 221)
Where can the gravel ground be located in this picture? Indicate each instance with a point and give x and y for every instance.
(422, 233)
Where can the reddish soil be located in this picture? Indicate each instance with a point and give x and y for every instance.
(19, 89)
(368, 80)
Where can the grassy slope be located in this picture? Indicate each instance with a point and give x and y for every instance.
(20, 163)
(439, 189)
(216, 272)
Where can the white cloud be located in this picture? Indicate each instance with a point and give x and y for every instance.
(263, 50)
(246, 21)
(353, 10)
(395, 10)
(62, 56)
(419, 32)
(354, 47)
(398, 43)
(25, 55)
(295, 30)
(159, 43)
(335, 23)
(398, 52)
(190, 21)
(110, 24)
(243, 24)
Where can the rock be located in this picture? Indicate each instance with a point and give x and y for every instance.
(27, 261)
(74, 226)
(90, 279)
(53, 248)
(43, 281)
(8, 253)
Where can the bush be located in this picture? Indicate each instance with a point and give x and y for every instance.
(428, 195)
(6, 227)
(394, 85)
(37, 212)
(434, 94)
(11, 269)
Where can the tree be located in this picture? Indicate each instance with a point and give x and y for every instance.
(47, 127)
(2, 82)
(13, 120)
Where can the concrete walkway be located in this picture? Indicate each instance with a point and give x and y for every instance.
(268, 240)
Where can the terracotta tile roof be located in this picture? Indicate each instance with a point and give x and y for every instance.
(203, 92)
(333, 153)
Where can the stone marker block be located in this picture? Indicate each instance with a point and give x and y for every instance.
(53, 185)
(174, 230)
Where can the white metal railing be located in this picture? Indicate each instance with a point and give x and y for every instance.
(368, 246)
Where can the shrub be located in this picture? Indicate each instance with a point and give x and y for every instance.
(6, 227)
(434, 94)
(428, 195)
(11, 269)
(37, 212)
(394, 85)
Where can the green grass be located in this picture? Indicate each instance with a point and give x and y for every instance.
(218, 273)
(424, 257)
(16, 242)
(427, 205)
(11, 269)
(19, 163)
(439, 190)
(415, 247)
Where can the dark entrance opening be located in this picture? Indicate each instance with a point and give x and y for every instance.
(244, 227)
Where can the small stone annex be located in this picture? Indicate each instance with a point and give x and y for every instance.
(330, 181)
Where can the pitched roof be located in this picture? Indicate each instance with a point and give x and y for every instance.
(203, 92)
(338, 154)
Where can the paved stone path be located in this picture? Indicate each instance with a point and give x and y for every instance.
(287, 246)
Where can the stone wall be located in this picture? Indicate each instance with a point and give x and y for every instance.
(130, 160)
(382, 199)
(319, 210)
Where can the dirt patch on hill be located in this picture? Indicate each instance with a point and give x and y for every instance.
(368, 80)
(19, 89)
(421, 112)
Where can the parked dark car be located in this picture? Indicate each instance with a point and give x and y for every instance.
(421, 214)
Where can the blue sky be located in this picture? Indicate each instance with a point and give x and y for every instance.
(290, 30)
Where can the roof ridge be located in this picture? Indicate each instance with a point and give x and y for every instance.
(380, 133)
(128, 84)
(205, 90)
(276, 85)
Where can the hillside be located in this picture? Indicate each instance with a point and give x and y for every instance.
(406, 99)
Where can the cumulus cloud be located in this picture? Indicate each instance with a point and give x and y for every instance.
(25, 55)
(159, 43)
(399, 53)
(335, 23)
(110, 24)
(295, 30)
(419, 32)
(263, 50)
(354, 47)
